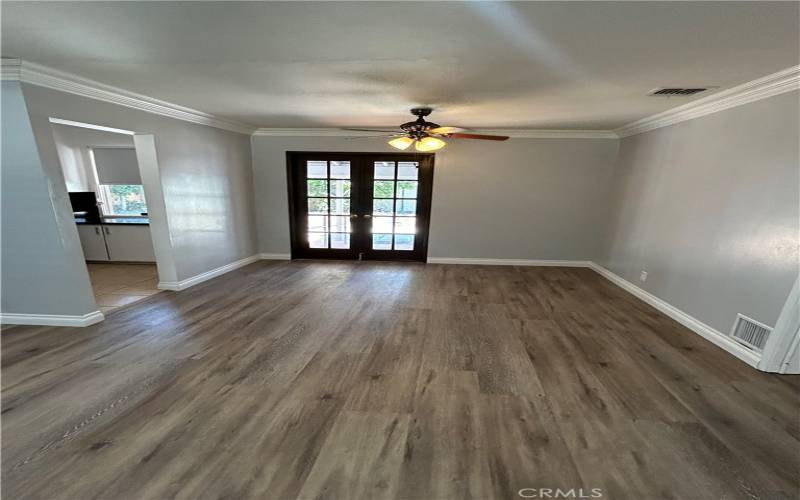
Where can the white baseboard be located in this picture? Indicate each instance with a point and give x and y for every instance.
(274, 256)
(509, 262)
(51, 319)
(177, 286)
(707, 332)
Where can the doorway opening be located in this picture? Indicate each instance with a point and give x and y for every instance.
(109, 209)
(370, 206)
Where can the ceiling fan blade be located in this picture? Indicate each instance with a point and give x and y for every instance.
(478, 136)
(446, 130)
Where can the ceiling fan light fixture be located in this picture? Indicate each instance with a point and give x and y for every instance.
(424, 135)
(429, 144)
(401, 143)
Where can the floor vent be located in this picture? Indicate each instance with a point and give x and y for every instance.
(750, 332)
(677, 91)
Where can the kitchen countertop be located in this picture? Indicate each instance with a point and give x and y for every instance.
(115, 221)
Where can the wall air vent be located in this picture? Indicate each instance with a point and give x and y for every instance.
(670, 91)
(750, 332)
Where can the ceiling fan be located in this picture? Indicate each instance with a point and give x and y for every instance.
(426, 136)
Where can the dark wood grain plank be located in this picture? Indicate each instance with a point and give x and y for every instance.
(347, 380)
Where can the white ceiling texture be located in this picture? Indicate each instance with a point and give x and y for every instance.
(554, 65)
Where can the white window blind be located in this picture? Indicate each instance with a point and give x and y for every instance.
(116, 166)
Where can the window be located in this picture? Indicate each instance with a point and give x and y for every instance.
(123, 199)
(120, 188)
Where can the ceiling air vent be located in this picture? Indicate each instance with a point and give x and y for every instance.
(668, 91)
(750, 332)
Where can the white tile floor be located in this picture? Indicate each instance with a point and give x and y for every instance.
(116, 285)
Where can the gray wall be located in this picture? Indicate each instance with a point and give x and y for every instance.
(709, 207)
(205, 173)
(521, 199)
(42, 262)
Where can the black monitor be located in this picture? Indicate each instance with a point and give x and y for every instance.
(85, 202)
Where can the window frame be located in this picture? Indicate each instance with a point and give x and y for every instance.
(362, 188)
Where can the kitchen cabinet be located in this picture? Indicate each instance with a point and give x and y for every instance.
(93, 241)
(116, 242)
(130, 243)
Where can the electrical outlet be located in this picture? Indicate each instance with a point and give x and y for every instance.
(643, 276)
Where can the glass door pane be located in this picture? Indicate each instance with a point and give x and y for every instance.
(395, 188)
(328, 201)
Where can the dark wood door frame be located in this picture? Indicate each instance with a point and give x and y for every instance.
(361, 199)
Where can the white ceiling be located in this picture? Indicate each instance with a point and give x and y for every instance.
(568, 65)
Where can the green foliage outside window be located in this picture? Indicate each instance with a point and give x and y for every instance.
(385, 189)
(317, 187)
(124, 199)
(406, 189)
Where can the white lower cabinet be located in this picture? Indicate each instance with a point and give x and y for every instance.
(93, 242)
(129, 243)
(125, 243)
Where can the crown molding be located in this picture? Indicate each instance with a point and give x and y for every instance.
(43, 76)
(36, 74)
(313, 132)
(10, 69)
(783, 81)
(513, 133)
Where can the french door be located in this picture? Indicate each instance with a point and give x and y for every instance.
(360, 205)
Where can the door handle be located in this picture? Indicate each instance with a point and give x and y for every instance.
(96, 230)
(108, 231)
(354, 216)
(367, 216)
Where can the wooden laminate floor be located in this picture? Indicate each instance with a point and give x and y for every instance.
(286, 380)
